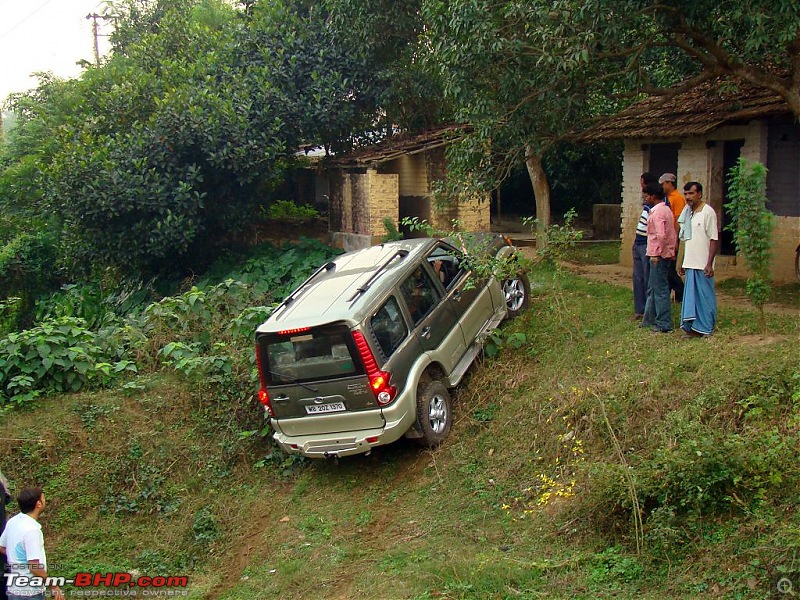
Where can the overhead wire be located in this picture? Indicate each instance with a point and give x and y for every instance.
(25, 19)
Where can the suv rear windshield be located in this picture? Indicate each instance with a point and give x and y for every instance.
(309, 355)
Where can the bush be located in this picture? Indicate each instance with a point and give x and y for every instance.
(97, 303)
(286, 210)
(60, 355)
(27, 270)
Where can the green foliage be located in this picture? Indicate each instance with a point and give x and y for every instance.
(9, 314)
(97, 303)
(27, 270)
(90, 413)
(499, 339)
(60, 355)
(148, 161)
(90, 335)
(485, 414)
(475, 250)
(286, 210)
(614, 565)
(559, 239)
(186, 358)
(286, 465)
(386, 35)
(136, 485)
(392, 232)
(205, 527)
(751, 224)
(273, 271)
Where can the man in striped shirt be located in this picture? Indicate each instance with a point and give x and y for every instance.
(641, 266)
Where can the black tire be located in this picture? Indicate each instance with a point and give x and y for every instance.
(434, 413)
(518, 295)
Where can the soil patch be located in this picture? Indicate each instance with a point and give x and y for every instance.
(622, 276)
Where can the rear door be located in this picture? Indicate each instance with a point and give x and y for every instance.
(316, 381)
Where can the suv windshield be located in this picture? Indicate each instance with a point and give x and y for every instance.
(309, 354)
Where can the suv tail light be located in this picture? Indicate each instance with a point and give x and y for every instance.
(263, 396)
(379, 381)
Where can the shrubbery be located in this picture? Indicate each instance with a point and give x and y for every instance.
(89, 337)
(60, 355)
(27, 270)
(286, 210)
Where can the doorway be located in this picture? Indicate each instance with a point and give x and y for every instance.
(731, 151)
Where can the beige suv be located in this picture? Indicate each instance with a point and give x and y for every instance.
(365, 350)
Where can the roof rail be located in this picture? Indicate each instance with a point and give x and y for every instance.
(328, 266)
(360, 290)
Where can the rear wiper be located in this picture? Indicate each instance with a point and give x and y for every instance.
(293, 380)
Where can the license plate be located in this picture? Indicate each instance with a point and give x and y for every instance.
(315, 409)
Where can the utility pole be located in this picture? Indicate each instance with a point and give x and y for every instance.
(94, 17)
(95, 33)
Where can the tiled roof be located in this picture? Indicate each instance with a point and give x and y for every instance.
(694, 113)
(399, 145)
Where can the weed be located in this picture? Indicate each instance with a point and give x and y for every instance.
(90, 413)
(613, 565)
(205, 527)
(752, 224)
(485, 414)
(500, 339)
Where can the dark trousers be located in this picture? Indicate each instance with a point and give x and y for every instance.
(657, 311)
(641, 273)
(674, 280)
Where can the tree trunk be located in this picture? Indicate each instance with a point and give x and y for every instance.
(541, 192)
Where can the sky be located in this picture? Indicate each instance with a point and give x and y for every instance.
(46, 35)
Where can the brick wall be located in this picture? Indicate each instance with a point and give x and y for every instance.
(473, 214)
(383, 202)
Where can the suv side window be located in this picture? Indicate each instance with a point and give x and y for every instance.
(445, 263)
(419, 294)
(389, 327)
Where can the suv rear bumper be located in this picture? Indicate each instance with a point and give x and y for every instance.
(399, 417)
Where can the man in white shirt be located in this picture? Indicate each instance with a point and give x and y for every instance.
(23, 544)
(5, 498)
(698, 230)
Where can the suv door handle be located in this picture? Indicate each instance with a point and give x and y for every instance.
(281, 398)
(425, 333)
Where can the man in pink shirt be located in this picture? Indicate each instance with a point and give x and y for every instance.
(661, 242)
(676, 203)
